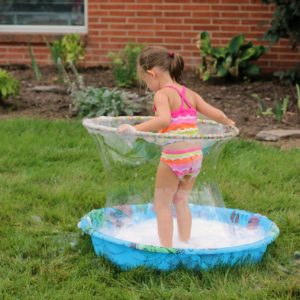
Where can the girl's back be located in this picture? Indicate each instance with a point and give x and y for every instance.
(175, 99)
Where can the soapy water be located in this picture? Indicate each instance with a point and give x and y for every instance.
(205, 234)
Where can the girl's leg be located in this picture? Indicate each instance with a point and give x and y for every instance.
(165, 189)
(183, 214)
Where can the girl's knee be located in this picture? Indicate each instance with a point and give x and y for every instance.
(181, 197)
(162, 205)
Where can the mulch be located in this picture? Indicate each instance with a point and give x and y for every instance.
(234, 98)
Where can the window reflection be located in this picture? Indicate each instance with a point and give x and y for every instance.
(42, 12)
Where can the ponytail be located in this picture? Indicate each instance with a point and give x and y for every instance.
(156, 56)
(176, 67)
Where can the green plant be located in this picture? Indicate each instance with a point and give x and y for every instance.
(280, 107)
(289, 76)
(298, 96)
(285, 21)
(93, 102)
(234, 60)
(56, 49)
(9, 86)
(262, 106)
(124, 64)
(73, 49)
(285, 24)
(34, 65)
(69, 49)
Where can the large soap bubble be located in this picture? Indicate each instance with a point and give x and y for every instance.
(120, 230)
(131, 160)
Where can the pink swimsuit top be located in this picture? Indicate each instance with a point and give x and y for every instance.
(183, 120)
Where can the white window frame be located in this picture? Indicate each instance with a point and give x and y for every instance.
(49, 28)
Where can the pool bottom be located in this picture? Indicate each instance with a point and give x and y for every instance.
(205, 234)
(127, 255)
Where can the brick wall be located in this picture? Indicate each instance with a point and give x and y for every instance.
(173, 23)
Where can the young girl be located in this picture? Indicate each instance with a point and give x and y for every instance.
(176, 110)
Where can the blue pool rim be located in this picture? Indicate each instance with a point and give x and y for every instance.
(270, 227)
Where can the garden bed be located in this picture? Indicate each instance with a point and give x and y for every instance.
(234, 98)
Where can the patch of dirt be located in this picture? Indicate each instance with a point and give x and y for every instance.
(234, 98)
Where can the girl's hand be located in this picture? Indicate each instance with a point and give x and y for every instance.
(230, 122)
(126, 129)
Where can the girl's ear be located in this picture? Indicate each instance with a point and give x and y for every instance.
(152, 73)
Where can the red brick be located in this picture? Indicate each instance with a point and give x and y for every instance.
(149, 14)
(238, 15)
(226, 21)
(137, 7)
(232, 1)
(197, 21)
(261, 15)
(178, 27)
(253, 8)
(169, 33)
(112, 6)
(241, 29)
(206, 14)
(113, 33)
(113, 20)
(206, 27)
(140, 20)
(225, 7)
(149, 40)
(155, 27)
(123, 13)
(142, 33)
(173, 23)
(168, 7)
(198, 7)
(122, 26)
(177, 14)
(119, 39)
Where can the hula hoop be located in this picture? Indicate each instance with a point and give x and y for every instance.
(99, 124)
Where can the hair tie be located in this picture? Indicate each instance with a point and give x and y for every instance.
(171, 54)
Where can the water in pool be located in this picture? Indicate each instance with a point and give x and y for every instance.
(206, 234)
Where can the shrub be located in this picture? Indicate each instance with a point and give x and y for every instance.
(285, 24)
(69, 49)
(285, 21)
(233, 60)
(93, 102)
(124, 64)
(9, 86)
(289, 76)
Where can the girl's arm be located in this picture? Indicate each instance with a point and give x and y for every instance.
(212, 112)
(163, 114)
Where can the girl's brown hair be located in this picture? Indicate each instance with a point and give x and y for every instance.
(157, 56)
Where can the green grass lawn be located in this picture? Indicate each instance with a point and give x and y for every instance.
(51, 175)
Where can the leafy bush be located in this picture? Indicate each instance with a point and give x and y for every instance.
(234, 60)
(289, 76)
(100, 101)
(285, 21)
(9, 86)
(69, 49)
(124, 64)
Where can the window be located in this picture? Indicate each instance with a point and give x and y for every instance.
(58, 16)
